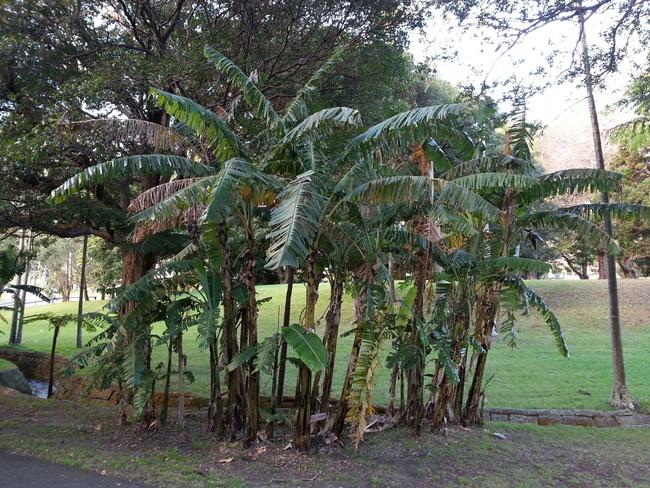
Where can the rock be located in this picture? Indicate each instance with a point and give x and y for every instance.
(14, 379)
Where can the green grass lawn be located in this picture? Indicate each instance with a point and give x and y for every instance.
(532, 375)
(4, 365)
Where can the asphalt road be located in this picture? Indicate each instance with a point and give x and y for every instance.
(28, 472)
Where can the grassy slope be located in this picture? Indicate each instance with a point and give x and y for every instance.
(533, 375)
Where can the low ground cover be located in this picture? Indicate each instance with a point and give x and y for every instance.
(529, 456)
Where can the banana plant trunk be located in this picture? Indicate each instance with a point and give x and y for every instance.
(360, 309)
(488, 308)
(415, 375)
(303, 395)
(249, 323)
(333, 320)
(236, 399)
(282, 366)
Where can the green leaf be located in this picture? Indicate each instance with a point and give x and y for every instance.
(294, 223)
(408, 127)
(320, 124)
(434, 152)
(261, 106)
(295, 109)
(131, 167)
(242, 357)
(307, 345)
(560, 220)
(208, 125)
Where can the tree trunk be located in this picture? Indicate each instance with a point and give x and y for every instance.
(392, 389)
(282, 366)
(602, 266)
(415, 375)
(391, 279)
(181, 381)
(621, 398)
(303, 395)
(332, 321)
(626, 264)
(15, 315)
(236, 401)
(215, 411)
(50, 378)
(165, 406)
(249, 323)
(82, 286)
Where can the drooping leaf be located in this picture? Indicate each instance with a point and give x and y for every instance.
(131, 167)
(307, 345)
(261, 106)
(294, 223)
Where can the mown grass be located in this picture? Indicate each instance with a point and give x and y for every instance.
(4, 365)
(534, 375)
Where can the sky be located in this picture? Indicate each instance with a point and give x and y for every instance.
(477, 59)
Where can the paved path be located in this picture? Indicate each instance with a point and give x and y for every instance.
(29, 472)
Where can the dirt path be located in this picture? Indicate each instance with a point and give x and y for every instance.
(29, 472)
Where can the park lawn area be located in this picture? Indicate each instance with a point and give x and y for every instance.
(534, 375)
(530, 456)
(4, 365)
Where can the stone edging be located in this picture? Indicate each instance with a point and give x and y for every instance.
(584, 418)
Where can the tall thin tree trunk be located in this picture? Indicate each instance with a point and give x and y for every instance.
(215, 411)
(621, 397)
(50, 377)
(23, 295)
(283, 348)
(602, 266)
(181, 381)
(82, 286)
(332, 320)
(165, 406)
(303, 396)
(391, 279)
(415, 375)
(15, 315)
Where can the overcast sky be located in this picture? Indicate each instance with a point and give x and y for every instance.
(477, 59)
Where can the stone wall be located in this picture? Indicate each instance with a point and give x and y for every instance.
(80, 388)
(585, 418)
(34, 365)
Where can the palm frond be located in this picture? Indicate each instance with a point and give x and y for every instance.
(490, 164)
(584, 229)
(321, 123)
(409, 188)
(159, 193)
(261, 106)
(131, 167)
(294, 223)
(236, 173)
(169, 206)
(406, 128)
(615, 209)
(163, 139)
(205, 123)
(572, 181)
(296, 109)
(479, 181)
(532, 300)
(517, 264)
